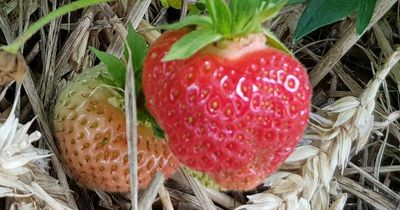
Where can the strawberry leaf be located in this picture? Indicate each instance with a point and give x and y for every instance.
(320, 13)
(189, 44)
(365, 10)
(220, 15)
(164, 3)
(243, 19)
(204, 21)
(197, 9)
(145, 116)
(274, 42)
(295, 2)
(271, 8)
(138, 47)
(114, 65)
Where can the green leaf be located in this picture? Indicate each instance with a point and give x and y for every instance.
(198, 8)
(203, 2)
(220, 15)
(204, 21)
(158, 131)
(320, 13)
(139, 51)
(295, 2)
(192, 42)
(114, 65)
(271, 8)
(365, 10)
(145, 116)
(138, 47)
(274, 42)
(164, 3)
(243, 20)
(195, 10)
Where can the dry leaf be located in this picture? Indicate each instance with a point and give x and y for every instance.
(12, 67)
(343, 104)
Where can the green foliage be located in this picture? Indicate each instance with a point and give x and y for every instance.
(273, 41)
(271, 8)
(191, 43)
(198, 20)
(235, 19)
(138, 46)
(145, 116)
(319, 13)
(115, 67)
(365, 10)
(15, 46)
(204, 179)
(220, 15)
(117, 70)
(241, 18)
(295, 1)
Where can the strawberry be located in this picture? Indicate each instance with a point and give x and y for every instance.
(231, 99)
(159, 68)
(90, 128)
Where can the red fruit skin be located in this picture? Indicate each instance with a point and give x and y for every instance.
(158, 71)
(253, 174)
(220, 114)
(90, 128)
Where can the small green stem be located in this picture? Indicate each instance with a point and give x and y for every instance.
(16, 45)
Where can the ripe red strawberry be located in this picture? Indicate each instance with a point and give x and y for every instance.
(90, 126)
(231, 103)
(218, 111)
(159, 68)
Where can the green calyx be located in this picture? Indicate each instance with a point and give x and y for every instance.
(205, 180)
(224, 21)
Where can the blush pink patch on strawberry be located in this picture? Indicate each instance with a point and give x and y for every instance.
(91, 137)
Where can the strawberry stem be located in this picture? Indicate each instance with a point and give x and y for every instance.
(16, 45)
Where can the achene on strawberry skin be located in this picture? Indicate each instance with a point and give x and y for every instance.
(90, 127)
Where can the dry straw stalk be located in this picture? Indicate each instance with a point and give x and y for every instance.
(337, 130)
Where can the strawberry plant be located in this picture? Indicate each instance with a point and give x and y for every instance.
(232, 100)
(90, 126)
(89, 117)
(319, 13)
(215, 94)
(176, 4)
(230, 97)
